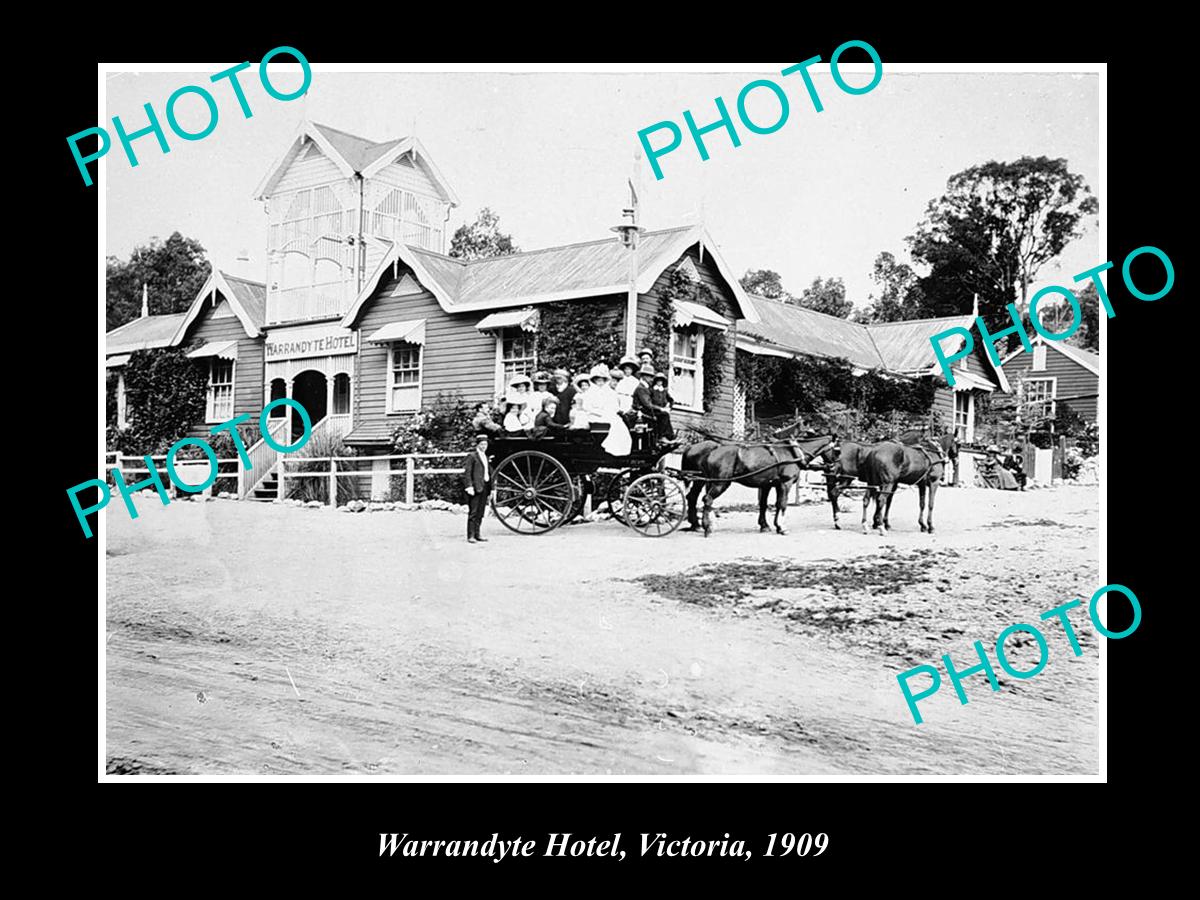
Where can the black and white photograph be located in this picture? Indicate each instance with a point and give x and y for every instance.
(685, 421)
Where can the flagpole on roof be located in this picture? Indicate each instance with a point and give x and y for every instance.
(145, 301)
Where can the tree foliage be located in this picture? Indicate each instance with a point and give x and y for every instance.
(765, 283)
(482, 239)
(173, 270)
(165, 394)
(992, 231)
(826, 295)
(900, 295)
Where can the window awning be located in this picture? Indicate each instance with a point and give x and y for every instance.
(966, 381)
(513, 318)
(412, 332)
(223, 349)
(113, 362)
(688, 313)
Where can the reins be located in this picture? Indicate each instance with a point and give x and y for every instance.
(803, 461)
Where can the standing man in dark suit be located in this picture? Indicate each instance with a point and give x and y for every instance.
(477, 479)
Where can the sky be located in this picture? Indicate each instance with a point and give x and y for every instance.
(551, 152)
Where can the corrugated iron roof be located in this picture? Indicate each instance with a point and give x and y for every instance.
(803, 330)
(591, 265)
(252, 295)
(1085, 358)
(904, 346)
(145, 333)
(900, 347)
(357, 151)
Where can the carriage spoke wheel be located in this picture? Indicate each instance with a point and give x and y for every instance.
(615, 497)
(532, 493)
(654, 505)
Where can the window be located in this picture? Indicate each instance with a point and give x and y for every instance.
(404, 386)
(516, 354)
(341, 394)
(687, 368)
(1039, 398)
(220, 390)
(964, 408)
(409, 218)
(1039, 358)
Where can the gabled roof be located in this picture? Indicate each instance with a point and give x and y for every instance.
(573, 271)
(801, 330)
(145, 333)
(353, 155)
(247, 299)
(904, 346)
(1085, 358)
(899, 347)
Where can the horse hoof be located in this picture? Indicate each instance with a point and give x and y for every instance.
(781, 530)
(763, 528)
(837, 527)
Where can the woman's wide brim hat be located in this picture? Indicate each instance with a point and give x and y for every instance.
(541, 377)
(600, 370)
(659, 376)
(582, 378)
(628, 361)
(520, 379)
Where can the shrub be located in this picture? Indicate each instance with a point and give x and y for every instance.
(321, 446)
(165, 395)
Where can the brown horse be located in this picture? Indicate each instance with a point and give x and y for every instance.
(774, 464)
(844, 464)
(891, 463)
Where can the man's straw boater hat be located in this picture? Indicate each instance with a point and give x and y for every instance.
(647, 370)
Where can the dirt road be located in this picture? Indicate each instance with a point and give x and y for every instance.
(244, 638)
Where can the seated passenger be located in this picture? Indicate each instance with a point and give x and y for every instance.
(656, 411)
(579, 416)
(516, 419)
(627, 385)
(600, 402)
(546, 423)
(485, 418)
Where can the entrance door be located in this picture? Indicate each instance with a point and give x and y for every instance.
(309, 390)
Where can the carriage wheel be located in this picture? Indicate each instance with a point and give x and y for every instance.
(654, 505)
(532, 492)
(615, 496)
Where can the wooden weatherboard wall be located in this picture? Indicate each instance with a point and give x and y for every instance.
(220, 324)
(456, 357)
(720, 417)
(1071, 379)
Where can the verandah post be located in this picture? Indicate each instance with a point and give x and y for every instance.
(333, 482)
(409, 479)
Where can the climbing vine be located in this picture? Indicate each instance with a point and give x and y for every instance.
(826, 393)
(716, 343)
(575, 335)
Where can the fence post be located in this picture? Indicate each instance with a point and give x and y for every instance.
(409, 479)
(282, 494)
(241, 475)
(333, 482)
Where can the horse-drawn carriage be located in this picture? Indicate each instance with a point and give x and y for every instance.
(542, 483)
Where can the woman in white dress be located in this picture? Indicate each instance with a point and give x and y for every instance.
(601, 405)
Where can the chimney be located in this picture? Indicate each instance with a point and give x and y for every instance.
(145, 302)
(975, 308)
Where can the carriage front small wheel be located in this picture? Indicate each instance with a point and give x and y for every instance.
(532, 492)
(654, 505)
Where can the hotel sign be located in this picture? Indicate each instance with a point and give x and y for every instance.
(310, 340)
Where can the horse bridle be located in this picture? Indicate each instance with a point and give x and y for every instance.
(805, 459)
